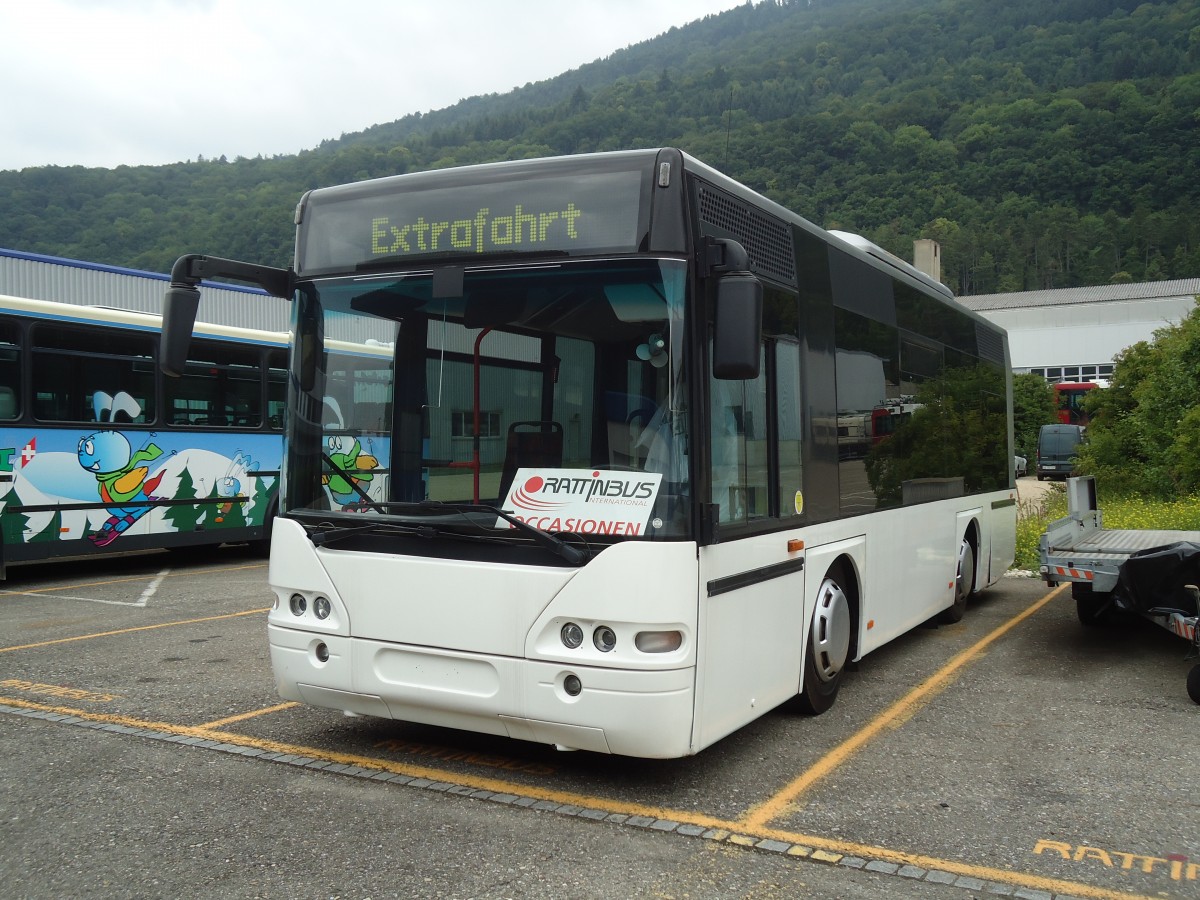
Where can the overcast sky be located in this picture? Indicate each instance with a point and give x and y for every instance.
(133, 82)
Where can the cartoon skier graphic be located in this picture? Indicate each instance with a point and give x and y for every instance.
(350, 465)
(119, 470)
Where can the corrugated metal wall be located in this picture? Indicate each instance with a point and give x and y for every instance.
(88, 284)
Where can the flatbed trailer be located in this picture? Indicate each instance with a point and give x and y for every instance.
(1154, 574)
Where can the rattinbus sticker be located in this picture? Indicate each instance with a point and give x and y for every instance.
(583, 501)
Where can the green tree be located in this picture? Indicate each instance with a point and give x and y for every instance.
(1033, 407)
(1058, 137)
(1144, 431)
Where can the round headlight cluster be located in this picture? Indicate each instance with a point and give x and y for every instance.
(321, 606)
(603, 637)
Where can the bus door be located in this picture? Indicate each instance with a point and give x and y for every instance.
(751, 597)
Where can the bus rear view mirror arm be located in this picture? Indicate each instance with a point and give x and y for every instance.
(183, 298)
(192, 268)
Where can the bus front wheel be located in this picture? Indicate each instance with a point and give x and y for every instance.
(828, 645)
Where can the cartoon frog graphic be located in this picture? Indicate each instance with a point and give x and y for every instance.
(350, 471)
(120, 478)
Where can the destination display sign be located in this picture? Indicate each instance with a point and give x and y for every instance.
(583, 214)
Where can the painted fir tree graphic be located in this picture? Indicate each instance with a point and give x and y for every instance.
(184, 517)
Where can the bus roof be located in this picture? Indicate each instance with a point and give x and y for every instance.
(106, 315)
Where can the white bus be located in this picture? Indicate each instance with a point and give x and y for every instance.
(607, 508)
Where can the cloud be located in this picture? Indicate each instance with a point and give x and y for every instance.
(111, 82)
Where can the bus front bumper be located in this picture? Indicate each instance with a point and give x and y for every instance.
(628, 712)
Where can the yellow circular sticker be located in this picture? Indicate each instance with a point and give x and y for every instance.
(799, 503)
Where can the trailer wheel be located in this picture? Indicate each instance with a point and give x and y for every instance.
(828, 645)
(1193, 684)
(1094, 608)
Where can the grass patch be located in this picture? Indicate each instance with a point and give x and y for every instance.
(1032, 518)
(1118, 512)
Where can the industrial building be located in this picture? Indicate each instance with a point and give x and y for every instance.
(1074, 334)
(39, 277)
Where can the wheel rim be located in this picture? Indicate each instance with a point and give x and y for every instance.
(966, 562)
(830, 630)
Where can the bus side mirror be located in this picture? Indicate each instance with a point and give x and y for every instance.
(179, 317)
(737, 327)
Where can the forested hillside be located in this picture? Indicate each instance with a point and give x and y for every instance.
(1045, 144)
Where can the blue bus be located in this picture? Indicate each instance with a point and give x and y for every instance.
(100, 454)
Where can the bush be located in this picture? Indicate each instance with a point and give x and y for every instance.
(1032, 518)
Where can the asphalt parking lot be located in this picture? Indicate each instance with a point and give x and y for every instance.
(1013, 754)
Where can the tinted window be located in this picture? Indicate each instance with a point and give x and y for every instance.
(80, 378)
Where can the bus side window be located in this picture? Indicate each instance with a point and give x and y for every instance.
(80, 379)
(277, 377)
(221, 387)
(10, 371)
(789, 435)
(740, 483)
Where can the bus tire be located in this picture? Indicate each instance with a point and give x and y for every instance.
(964, 583)
(828, 645)
(262, 547)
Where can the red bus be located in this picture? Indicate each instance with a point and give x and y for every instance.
(1068, 400)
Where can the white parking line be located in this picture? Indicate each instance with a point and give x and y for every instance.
(152, 588)
(150, 591)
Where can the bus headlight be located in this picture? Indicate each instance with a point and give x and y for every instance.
(572, 635)
(658, 641)
(604, 638)
(322, 607)
(299, 604)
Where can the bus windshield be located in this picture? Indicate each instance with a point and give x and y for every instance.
(552, 392)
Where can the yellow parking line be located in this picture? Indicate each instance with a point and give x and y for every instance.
(833, 849)
(221, 723)
(895, 715)
(100, 634)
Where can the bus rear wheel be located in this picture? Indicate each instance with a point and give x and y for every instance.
(964, 583)
(828, 645)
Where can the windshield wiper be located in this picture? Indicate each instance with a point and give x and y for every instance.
(327, 533)
(554, 544)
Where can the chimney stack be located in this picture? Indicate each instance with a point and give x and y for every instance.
(927, 257)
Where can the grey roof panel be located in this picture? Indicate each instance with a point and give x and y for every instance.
(1105, 293)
